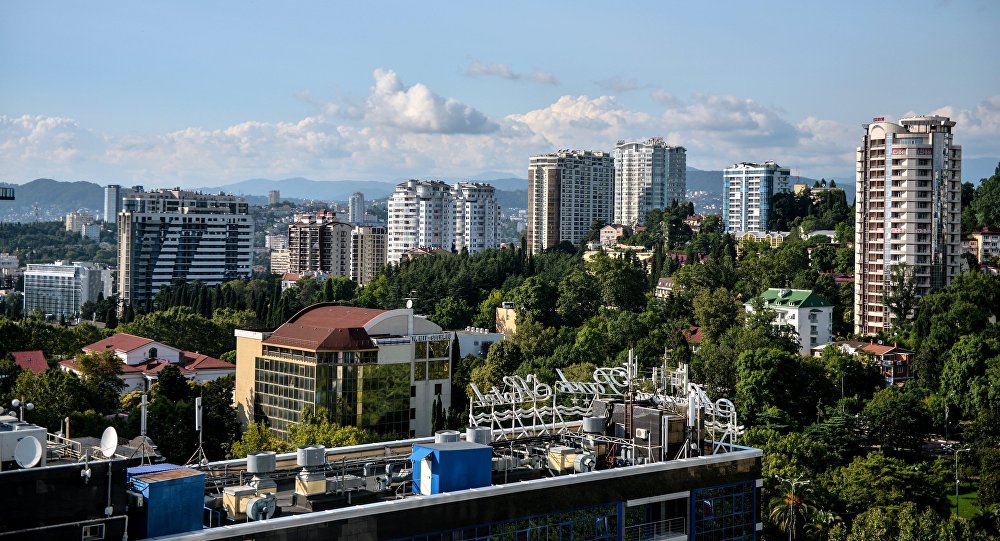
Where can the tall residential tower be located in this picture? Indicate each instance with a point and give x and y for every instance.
(165, 235)
(421, 215)
(567, 191)
(748, 188)
(477, 216)
(648, 175)
(908, 212)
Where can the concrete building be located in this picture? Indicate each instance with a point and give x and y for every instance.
(421, 215)
(61, 288)
(477, 216)
(376, 369)
(319, 243)
(112, 202)
(91, 231)
(747, 191)
(986, 243)
(273, 197)
(368, 252)
(771, 238)
(143, 359)
(165, 235)
(908, 212)
(76, 220)
(648, 175)
(808, 313)
(893, 361)
(280, 261)
(476, 341)
(609, 234)
(9, 270)
(567, 191)
(276, 241)
(356, 208)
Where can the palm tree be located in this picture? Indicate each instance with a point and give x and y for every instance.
(788, 507)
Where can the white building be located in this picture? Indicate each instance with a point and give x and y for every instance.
(60, 289)
(144, 359)
(477, 216)
(567, 191)
(166, 235)
(808, 313)
(748, 189)
(356, 208)
(421, 215)
(368, 252)
(908, 212)
(648, 174)
(476, 341)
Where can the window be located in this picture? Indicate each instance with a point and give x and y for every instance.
(413, 391)
(92, 532)
(413, 413)
(437, 389)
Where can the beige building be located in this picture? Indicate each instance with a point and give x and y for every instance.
(567, 191)
(279, 261)
(908, 212)
(771, 238)
(75, 221)
(380, 370)
(319, 243)
(610, 233)
(648, 175)
(368, 253)
(507, 319)
(985, 244)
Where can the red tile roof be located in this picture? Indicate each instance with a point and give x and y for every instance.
(326, 326)
(191, 363)
(693, 335)
(31, 360)
(121, 343)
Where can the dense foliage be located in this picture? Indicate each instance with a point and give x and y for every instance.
(45, 242)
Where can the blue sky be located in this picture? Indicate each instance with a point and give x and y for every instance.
(200, 93)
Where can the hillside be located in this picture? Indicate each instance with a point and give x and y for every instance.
(54, 198)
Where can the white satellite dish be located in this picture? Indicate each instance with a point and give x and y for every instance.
(109, 442)
(28, 452)
(409, 303)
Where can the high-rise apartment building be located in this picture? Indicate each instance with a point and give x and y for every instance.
(567, 191)
(421, 215)
(356, 208)
(908, 212)
(112, 202)
(165, 235)
(319, 243)
(368, 252)
(61, 288)
(648, 174)
(477, 216)
(273, 197)
(76, 220)
(748, 189)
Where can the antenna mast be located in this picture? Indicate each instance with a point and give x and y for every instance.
(199, 454)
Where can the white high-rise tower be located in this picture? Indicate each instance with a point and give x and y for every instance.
(648, 174)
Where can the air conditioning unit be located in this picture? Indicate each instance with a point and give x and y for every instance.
(641, 433)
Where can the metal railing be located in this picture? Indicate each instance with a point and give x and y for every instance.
(653, 531)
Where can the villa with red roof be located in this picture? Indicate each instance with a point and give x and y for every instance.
(893, 361)
(144, 359)
(31, 360)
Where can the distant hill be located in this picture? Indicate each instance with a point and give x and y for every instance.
(53, 198)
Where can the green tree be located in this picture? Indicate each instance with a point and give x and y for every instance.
(578, 300)
(184, 329)
(896, 419)
(452, 313)
(55, 394)
(101, 376)
(877, 480)
(258, 437)
(171, 385)
(901, 296)
(715, 312)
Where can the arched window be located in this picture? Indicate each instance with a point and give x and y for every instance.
(152, 353)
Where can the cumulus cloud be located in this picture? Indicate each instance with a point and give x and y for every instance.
(504, 71)
(977, 129)
(416, 108)
(581, 121)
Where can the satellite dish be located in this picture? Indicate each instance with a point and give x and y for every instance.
(109, 442)
(409, 303)
(28, 452)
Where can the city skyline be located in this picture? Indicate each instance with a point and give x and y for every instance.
(193, 95)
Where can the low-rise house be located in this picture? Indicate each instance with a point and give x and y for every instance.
(33, 361)
(693, 336)
(507, 319)
(610, 234)
(476, 341)
(144, 359)
(808, 313)
(664, 287)
(893, 361)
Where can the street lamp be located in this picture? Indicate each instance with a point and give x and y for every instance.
(956, 476)
(19, 405)
(791, 501)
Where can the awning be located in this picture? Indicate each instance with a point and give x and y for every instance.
(419, 453)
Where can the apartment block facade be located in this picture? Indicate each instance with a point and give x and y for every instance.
(164, 235)
(368, 252)
(477, 216)
(319, 243)
(567, 191)
(908, 212)
(747, 191)
(648, 174)
(356, 208)
(61, 288)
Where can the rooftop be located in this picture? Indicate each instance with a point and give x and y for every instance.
(31, 360)
(327, 326)
(119, 343)
(797, 298)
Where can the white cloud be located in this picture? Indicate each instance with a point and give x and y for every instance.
(416, 108)
(410, 131)
(504, 71)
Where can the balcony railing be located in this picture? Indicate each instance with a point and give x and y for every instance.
(657, 531)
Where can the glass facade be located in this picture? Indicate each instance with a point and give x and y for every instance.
(725, 513)
(350, 385)
(592, 524)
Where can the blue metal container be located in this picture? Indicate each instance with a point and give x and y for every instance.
(150, 468)
(173, 501)
(445, 467)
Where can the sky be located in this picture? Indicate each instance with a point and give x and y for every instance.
(194, 93)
